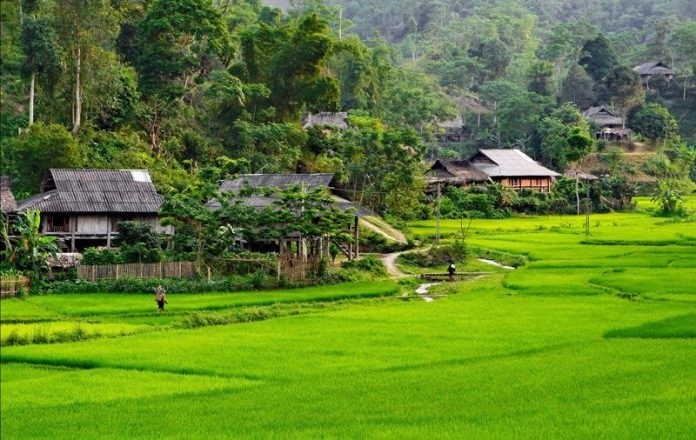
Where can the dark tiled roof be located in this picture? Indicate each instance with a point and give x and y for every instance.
(97, 191)
(7, 200)
(509, 163)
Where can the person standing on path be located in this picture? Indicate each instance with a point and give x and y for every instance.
(451, 269)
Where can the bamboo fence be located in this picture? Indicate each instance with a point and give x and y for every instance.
(168, 269)
(10, 285)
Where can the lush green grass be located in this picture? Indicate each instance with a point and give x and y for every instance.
(585, 340)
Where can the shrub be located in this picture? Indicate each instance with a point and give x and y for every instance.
(438, 255)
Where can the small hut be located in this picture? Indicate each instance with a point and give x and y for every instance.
(653, 69)
(611, 125)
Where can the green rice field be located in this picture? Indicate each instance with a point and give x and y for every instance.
(593, 337)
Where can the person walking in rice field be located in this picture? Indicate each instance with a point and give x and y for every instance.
(160, 298)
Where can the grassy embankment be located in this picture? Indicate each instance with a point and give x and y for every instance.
(592, 337)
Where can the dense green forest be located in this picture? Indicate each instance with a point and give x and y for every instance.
(183, 87)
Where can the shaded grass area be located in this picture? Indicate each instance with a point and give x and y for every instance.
(676, 327)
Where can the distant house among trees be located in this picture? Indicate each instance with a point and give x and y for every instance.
(509, 167)
(649, 71)
(331, 119)
(611, 125)
(83, 208)
(452, 130)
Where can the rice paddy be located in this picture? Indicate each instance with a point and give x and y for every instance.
(592, 337)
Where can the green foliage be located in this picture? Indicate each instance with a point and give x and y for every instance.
(565, 137)
(624, 87)
(138, 243)
(28, 157)
(670, 197)
(94, 256)
(597, 58)
(372, 265)
(29, 250)
(435, 256)
(654, 122)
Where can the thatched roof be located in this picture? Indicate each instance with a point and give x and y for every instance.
(7, 200)
(509, 163)
(580, 175)
(653, 68)
(96, 191)
(451, 124)
(337, 119)
(455, 172)
(603, 116)
(280, 181)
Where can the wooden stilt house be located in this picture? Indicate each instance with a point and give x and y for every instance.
(83, 208)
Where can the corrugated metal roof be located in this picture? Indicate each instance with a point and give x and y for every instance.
(97, 191)
(509, 163)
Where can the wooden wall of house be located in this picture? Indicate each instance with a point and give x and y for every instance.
(542, 184)
(92, 224)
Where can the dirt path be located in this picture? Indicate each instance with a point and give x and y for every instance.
(389, 261)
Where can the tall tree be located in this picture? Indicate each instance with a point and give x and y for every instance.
(625, 87)
(85, 28)
(597, 57)
(578, 88)
(41, 49)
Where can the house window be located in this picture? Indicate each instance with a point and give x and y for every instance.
(516, 183)
(58, 223)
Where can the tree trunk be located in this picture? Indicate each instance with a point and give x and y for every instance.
(32, 84)
(77, 116)
(577, 194)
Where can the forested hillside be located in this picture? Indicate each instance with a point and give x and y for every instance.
(195, 89)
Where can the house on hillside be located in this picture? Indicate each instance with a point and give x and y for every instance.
(511, 168)
(650, 70)
(294, 245)
(515, 169)
(611, 126)
(83, 208)
(337, 120)
(452, 130)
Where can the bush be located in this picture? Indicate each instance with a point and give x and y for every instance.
(129, 285)
(438, 255)
(371, 265)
